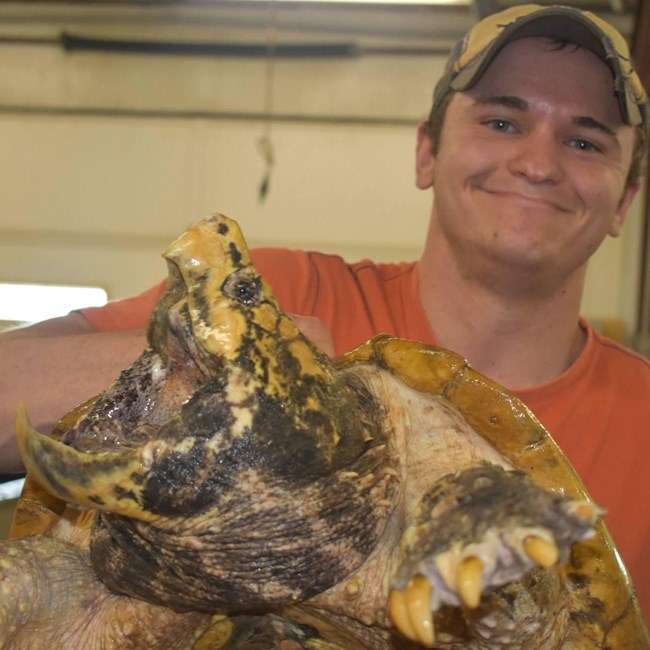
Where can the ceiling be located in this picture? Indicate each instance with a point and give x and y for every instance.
(421, 27)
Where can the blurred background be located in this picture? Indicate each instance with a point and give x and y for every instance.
(123, 122)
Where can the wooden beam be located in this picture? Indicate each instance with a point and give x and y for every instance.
(641, 55)
(641, 41)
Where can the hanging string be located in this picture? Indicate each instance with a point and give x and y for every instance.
(265, 143)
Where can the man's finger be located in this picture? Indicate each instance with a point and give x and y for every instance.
(314, 329)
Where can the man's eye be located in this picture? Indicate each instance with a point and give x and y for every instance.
(583, 145)
(501, 125)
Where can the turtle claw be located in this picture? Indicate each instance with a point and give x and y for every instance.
(418, 599)
(399, 615)
(585, 510)
(410, 610)
(469, 581)
(478, 532)
(542, 551)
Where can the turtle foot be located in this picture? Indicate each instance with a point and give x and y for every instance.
(478, 531)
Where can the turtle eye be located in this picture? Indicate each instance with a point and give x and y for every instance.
(244, 287)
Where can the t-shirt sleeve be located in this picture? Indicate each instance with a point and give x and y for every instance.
(289, 272)
(292, 276)
(127, 314)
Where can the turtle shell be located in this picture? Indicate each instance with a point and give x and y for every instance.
(603, 601)
(312, 473)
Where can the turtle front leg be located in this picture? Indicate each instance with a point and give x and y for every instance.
(482, 559)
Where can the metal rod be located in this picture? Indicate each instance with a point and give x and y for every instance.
(361, 120)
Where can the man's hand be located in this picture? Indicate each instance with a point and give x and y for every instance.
(52, 366)
(314, 329)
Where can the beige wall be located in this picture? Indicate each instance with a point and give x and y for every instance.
(104, 158)
(96, 200)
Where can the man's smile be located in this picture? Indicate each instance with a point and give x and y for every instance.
(528, 200)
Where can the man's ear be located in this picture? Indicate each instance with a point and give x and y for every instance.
(424, 158)
(622, 210)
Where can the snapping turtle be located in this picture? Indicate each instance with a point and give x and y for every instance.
(234, 488)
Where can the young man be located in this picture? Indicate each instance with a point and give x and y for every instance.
(533, 152)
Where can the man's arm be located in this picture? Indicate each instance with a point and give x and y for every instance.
(55, 365)
(52, 367)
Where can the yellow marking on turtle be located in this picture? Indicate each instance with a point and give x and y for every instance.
(220, 338)
(217, 635)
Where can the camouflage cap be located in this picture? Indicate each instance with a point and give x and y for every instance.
(471, 57)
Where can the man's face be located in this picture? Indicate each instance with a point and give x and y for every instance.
(531, 168)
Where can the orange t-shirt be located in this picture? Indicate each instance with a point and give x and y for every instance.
(598, 411)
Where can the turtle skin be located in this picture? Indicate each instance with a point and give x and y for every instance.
(235, 488)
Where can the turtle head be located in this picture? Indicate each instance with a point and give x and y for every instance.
(225, 369)
(228, 310)
(227, 418)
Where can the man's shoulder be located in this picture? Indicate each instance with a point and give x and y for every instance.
(291, 265)
(322, 262)
(621, 359)
(273, 256)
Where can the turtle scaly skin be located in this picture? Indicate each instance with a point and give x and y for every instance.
(235, 488)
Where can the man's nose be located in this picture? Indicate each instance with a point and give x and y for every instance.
(537, 157)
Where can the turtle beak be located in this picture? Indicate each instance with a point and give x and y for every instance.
(110, 481)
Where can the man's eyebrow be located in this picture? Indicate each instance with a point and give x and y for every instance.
(591, 123)
(512, 101)
(507, 101)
